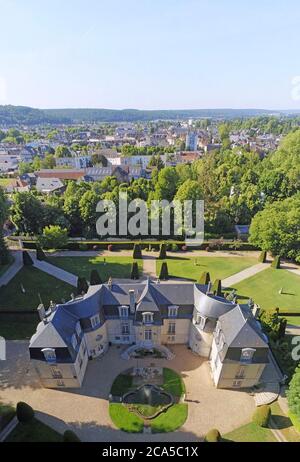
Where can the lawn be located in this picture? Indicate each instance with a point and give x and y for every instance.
(218, 267)
(168, 421)
(35, 282)
(264, 289)
(34, 432)
(173, 383)
(7, 413)
(115, 267)
(250, 433)
(125, 420)
(4, 268)
(284, 424)
(18, 326)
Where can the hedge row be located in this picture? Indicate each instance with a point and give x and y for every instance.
(129, 245)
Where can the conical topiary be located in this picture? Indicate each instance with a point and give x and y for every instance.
(40, 254)
(276, 262)
(262, 257)
(164, 273)
(217, 287)
(137, 252)
(95, 278)
(82, 286)
(204, 278)
(134, 271)
(162, 252)
(27, 260)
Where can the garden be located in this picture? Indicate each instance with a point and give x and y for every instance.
(117, 267)
(157, 405)
(218, 267)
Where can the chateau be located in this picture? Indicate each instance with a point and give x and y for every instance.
(149, 315)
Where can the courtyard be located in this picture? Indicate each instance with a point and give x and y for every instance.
(86, 410)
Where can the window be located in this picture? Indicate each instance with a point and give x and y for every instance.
(172, 311)
(147, 318)
(237, 383)
(200, 321)
(123, 311)
(240, 373)
(148, 334)
(74, 341)
(80, 362)
(49, 354)
(78, 329)
(95, 321)
(247, 355)
(172, 328)
(60, 383)
(125, 329)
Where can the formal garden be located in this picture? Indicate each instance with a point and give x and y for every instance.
(150, 398)
(117, 267)
(219, 267)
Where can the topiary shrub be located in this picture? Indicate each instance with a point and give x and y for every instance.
(137, 252)
(40, 255)
(174, 248)
(27, 260)
(262, 257)
(217, 287)
(95, 279)
(276, 262)
(24, 412)
(163, 252)
(70, 437)
(164, 272)
(262, 415)
(82, 286)
(134, 271)
(83, 247)
(213, 436)
(204, 278)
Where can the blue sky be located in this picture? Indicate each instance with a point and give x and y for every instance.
(150, 54)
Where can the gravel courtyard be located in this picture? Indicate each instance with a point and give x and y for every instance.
(86, 409)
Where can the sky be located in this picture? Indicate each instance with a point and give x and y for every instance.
(150, 54)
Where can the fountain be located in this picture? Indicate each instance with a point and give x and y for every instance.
(148, 401)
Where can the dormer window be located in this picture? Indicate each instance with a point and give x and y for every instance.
(74, 341)
(247, 355)
(123, 311)
(200, 321)
(147, 318)
(49, 354)
(95, 321)
(172, 311)
(78, 329)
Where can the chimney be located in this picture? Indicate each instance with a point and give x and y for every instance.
(132, 301)
(52, 306)
(256, 311)
(110, 283)
(41, 312)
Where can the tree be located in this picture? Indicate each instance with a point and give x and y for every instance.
(213, 436)
(167, 184)
(27, 213)
(53, 237)
(293, 393)
(4, 253)
(27, 260)
(40, 255)
(82, 286)
(273, 325)
(137, 252)
(99, 159)
(162, 252)
(276, 228)
(95, 278)
(134, 271)
(62, 151)
(164, 273)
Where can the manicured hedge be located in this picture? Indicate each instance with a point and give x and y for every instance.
(70, 437)
(262, 257)
(276, 262)
(204, 278)
(262, 415)
(213, 436)
(25, 413)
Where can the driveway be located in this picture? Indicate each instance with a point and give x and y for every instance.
(86, 409)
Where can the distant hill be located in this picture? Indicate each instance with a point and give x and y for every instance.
(15, 115)
(133, 115)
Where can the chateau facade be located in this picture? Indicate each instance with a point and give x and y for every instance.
(149, 315)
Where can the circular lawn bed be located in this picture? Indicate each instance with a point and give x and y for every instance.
(127, 419)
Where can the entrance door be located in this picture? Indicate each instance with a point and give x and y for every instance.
(148, 335)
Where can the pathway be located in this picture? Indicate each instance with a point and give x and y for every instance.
(149, 267)
(54, 271)
(13, 269)
(245, 274)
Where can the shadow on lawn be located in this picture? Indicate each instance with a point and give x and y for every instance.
(279, 422)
